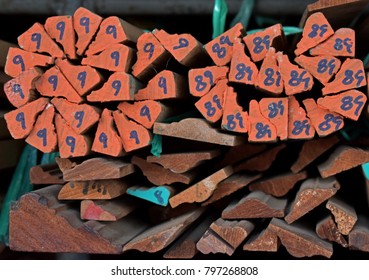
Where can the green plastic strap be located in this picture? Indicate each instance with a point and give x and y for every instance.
(19, 185)
(287, 30)
(244, 14)
(219, 17)
(365, 168)
(49, 158)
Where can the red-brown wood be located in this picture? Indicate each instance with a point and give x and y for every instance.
(261, 129)
(299, 125)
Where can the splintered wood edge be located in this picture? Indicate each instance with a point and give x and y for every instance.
(326, 228)
(344, 214)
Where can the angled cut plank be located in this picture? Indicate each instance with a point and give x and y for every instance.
(342, 159)
(279, 185)
(300, 241)
(311, 194)
(159, 195)
(94, 189)
(183, 162)
(311, 150)
(46, 174)
(299, 125)
(359, 236)
(94, 169)
(344, 214)
(39, 214)
(263, 241)
(202, 190)
(210, 242)
(198, 130)
(255, 205)
(276, 111)
(162, 235)
(260, 128)
(327, 229)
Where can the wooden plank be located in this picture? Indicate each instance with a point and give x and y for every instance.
(276, 111)
(21, 90)
(278, 185)
(164, 85)
(300, 241)
(260, 129)
(299, 126)
(231, 185)
(183, 162)
(107, 140)
(108, 210)
(35, 39)
(60, 28)
(46, 174)
(160, 236)
(198, 130)
(311, 194)
(344, 214)
(220, 49)
(342, 159)
(240, 152)
(311, 150)
(202, 190)
(18, 61)
(263, 241)
(20, 122)
(41, 215)
(255, 205)
(359, 236)
(259, 42)
(316, 30)
(327, 229)
(10, 150)
(94, 189)
(159, 195)
(43, 135)
(94, 169)
(210, 242)
(261, 162)
(201, 80)
(158, 175)
(113, 30)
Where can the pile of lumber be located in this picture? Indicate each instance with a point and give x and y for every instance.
(229, 176)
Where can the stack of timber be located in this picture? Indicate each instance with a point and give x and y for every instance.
(259, 165)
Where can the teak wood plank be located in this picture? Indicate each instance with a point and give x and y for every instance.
(263, 241)
(260, 128)
(107, 140)
(259, 43)
(40, 215)
(94, 169)
(300, 241)
(324, 121)
(279, 185)
(94, 189)
(342, 159)
(201, 80)
(158, 175)
(184, 48)
(183, 162)
(133, 135)
(70, 143)
(359, 236)
(53, 83)
(230, 186)
(158, 195)
(164, 85)
(198, 130)
(113, 30)
(202, 190)
(116, 57)
(299, 125)
(220, 49)
(210, 242)
(46, 174)
(20, 122)
(344, 214)
(316, 30)
(327, 229)
(80, 117)
(60, 28)
(234, 118)
(36, 39)
(160, 236)
(18, 61)
(85, 24)
(151, 57)
(311, 194)
(311, 150)
(108, 210)
(43, 135)
(255, 205)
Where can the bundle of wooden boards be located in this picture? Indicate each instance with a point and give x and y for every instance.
(112, 86)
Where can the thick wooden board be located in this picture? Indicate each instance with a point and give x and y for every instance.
(344, 214)
(48, 174)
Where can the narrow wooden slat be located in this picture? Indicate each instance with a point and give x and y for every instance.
(344, 214)
(46, 174)
(299, 125)
(261, 129)
(327, 229)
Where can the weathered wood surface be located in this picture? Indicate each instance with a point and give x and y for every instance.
(327, 229)
(48, 174)
(263, 241)
(344, 214)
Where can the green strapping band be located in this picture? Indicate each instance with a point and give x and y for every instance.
(244, 14)
(219, 17)
(287, 30)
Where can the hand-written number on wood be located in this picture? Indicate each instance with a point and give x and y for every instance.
(201, 85)
(163, 84)
(325, 125)
(20, 118)
(297, 79)
(157, 194)
(221, 51)
(324, 65)
(348, 103)
(231, 124)
(270, 80)
(79, 115)
(61, 27)
(145, 112)
(262, 130)
(85, 21)
(300, 126)
(17, 89)
(71, 142)
(117, 85)
(315, 28)
(210, 109)
(111, 30)
(275, 108)
(18, 60)
(115, 56)
(103, 138)
(350, 77)
(134, 135)
(82, 78)
(53, 80)
(182, 43)
(42, 134)
(149, 48)
(258, 41)
(36, 37)
(242, 71)
(339, 44)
